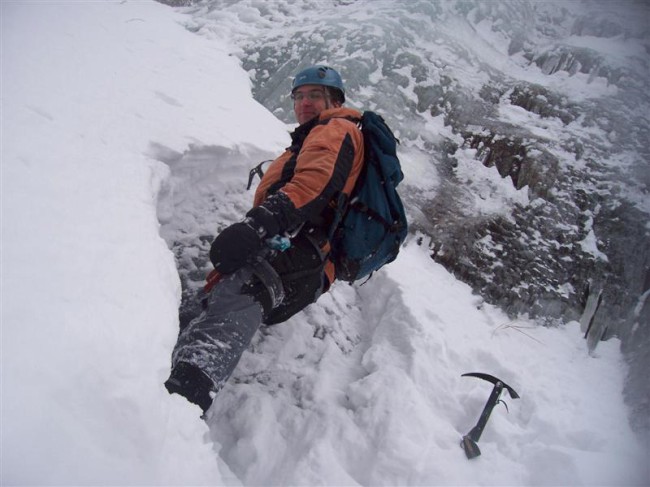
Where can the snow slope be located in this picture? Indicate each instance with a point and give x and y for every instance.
(116, 119)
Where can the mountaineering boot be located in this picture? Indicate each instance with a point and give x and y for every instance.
(190, 382)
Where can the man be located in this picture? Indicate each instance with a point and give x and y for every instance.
(297, 197)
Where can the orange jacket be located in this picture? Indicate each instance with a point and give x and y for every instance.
(325, 159)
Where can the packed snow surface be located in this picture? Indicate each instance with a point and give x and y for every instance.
(119, 127)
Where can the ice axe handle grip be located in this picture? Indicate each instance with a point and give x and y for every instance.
(493, 400)
(471, 448)
(213, 278)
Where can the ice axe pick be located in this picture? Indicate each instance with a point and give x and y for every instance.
(470, 440)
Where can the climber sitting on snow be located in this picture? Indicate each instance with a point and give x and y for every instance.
(296, 197)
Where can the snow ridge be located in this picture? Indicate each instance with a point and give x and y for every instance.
(118, 127)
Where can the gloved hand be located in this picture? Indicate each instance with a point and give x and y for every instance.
(233, 247)
(264, 221)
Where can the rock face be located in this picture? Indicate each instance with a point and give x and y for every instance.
(551, 96)
(549, 257)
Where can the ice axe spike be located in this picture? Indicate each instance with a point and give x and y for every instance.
(469, 442)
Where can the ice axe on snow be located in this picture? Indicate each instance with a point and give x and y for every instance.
(470, 440)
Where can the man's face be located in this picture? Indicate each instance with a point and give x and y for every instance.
(309, 101)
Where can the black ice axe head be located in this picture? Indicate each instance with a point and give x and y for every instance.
(470, 440)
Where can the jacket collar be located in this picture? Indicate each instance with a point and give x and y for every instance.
(299, 135)
(341, 112)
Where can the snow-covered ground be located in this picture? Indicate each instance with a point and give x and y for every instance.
(363, 388)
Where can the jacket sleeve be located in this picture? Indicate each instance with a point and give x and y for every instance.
(272, 175)
(329, 162)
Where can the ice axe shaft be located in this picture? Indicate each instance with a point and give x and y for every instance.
(469, 442)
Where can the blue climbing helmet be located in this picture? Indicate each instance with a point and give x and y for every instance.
(319, 75)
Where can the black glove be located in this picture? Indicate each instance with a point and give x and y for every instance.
(235, 245)
(263, 221)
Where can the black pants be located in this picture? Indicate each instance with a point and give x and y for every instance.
(300, 269)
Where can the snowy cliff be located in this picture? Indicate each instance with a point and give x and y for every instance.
(126, 145)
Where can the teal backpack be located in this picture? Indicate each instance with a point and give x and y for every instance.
(370, 225)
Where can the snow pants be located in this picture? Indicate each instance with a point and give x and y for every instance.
(215, 340)
(238, 304)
